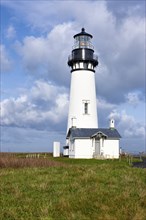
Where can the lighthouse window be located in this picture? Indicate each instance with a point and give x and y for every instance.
(85, 66)
(85, 108)
(83, 41)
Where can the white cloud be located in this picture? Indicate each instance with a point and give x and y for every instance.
(102, 104)
(123, 60)
(34, 52)
(128, 125)
(133, 98)
(44, 91)
(119, 45)
(6, 63)
(47, 14)
(46, 56)
(43, 107)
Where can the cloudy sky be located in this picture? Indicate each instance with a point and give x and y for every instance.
(36, 39)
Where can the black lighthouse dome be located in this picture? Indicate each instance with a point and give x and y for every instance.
(82, 56)
(83, 33)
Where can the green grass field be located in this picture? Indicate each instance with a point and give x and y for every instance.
(70, 189)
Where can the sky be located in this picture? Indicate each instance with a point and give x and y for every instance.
(36, 40)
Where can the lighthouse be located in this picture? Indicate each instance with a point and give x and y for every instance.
(82, 105)
(84, 138)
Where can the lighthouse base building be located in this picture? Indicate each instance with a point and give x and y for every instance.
(92, 143)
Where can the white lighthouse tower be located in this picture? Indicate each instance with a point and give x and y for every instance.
(84, 139)
(82, 106)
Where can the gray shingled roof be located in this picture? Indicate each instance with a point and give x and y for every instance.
(89, 132)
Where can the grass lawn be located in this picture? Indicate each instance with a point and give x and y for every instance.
(74, 189)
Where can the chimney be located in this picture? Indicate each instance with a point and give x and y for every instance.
(112, 123)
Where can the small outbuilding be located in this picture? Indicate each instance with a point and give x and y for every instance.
(93, 143)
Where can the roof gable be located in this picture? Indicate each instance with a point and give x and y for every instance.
(99, 134)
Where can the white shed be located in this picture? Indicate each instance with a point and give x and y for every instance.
(93, 143)
(56, 149)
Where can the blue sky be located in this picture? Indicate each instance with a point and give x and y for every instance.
(36, 39)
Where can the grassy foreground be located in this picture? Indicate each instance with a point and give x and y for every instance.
(68, 189)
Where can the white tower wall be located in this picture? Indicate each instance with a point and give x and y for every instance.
(82, 91)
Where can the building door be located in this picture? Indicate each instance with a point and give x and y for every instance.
(97, 147)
